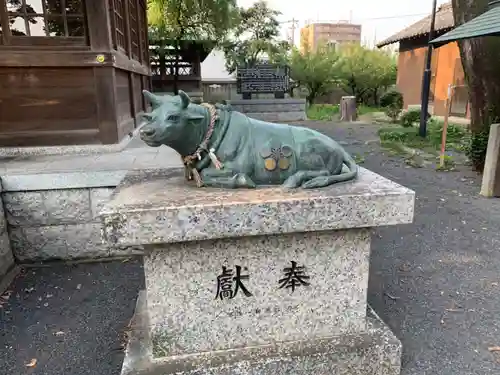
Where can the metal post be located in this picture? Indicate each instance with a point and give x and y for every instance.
(426, 79)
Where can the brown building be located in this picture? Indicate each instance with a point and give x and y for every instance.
(332, 33)
(71, 72)
(446, 65)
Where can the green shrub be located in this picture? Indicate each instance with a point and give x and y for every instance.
(392, 98)
(411, 117)
(454, 133)
(392, 102)
(409, 137)
(476, 149)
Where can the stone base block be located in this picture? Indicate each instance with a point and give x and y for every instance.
(293, 286)
(278, 116)
(274, 110)
(374, 351)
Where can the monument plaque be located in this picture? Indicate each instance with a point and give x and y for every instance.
(263, 78)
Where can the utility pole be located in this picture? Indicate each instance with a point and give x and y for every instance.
(426, 79)
(295, 24)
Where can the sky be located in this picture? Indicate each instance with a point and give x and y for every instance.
(379, 18)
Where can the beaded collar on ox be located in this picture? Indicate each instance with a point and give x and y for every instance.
(189, 161)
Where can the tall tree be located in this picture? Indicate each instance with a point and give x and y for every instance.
(480, 57)
(366, 71)
(318, 70)
(254, 37)
(179, 20)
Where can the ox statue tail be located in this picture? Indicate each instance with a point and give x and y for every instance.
(323, 181)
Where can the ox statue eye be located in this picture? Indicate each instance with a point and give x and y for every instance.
(173, 118)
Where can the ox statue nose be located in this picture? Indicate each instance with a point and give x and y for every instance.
(147, 132)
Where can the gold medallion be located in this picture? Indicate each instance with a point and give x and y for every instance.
(270, 164)
(284, 164)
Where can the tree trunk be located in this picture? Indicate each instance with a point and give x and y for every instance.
(348, 110)
(480, 57)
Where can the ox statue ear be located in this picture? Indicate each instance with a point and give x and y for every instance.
(152, 98)
(185, 99)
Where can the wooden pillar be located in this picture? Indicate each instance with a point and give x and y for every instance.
(99, 24)
(4, 20)
(490, 186)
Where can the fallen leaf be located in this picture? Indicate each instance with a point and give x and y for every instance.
(494, 348)
(391, 296)
(32, 363)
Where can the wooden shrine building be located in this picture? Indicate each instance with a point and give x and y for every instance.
(163, 59)
(71, 71)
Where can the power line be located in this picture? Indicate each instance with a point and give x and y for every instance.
(379, 18)
(391, 17)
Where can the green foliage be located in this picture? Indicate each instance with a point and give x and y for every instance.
(365, 109)
(476, 148)
(392, 97)
(191, 19)
(409, 137)
(365, 72)
(327, 112)
(322, 112)
(173, 21)
(317, 71)
(392, 103)
(409, 118)
(254, 37)
(449, 164)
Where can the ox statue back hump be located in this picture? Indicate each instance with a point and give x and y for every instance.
(224, 148)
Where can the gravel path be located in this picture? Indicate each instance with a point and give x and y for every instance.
(435, 282)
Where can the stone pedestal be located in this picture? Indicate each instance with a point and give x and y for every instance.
(274, 110)
(264, 281)
(348, 111)
(490, 186)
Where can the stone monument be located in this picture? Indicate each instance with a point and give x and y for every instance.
(267, 79)
(262, 278)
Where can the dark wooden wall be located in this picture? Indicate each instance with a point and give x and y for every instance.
(77, 81)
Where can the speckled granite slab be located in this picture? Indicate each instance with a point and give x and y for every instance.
(161, 207)
(375, 351)
(326, 295)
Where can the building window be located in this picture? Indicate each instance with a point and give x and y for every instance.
(134, 29)
(46, 18)
(129, 28)
(118, 15)
(143, 31)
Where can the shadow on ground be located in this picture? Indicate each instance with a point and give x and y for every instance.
(72, 319)
(435, 282)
